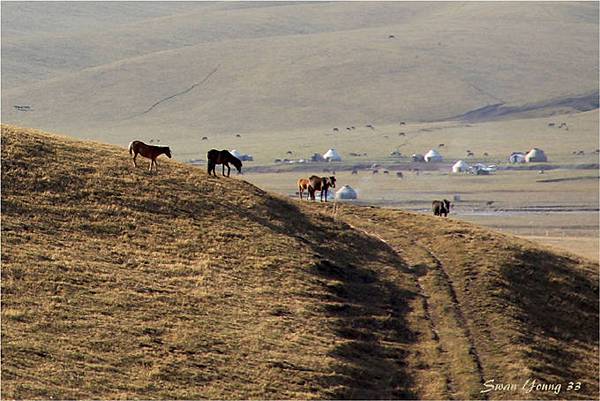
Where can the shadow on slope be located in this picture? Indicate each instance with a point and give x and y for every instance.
(532, 312)
(58, 192)
(366, 309)
(555, 301)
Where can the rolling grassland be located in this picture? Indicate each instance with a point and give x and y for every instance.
(118, 283)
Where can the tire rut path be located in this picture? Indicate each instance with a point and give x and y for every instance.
(452, 383)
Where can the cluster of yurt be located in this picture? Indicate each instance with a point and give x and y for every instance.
(460, 167)
(332, 156)
(535, 155)
(433, 156)
(345, 193)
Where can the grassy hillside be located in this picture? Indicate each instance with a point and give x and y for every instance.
(118, 283)
(296, 65)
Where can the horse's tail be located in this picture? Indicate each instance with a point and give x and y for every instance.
(131, 148)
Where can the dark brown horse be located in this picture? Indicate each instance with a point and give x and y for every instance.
(440, 208)
(320, 184)
(149, 151)
(223, 157)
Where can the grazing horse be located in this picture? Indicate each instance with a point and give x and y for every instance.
(399, 174)
(320, 184)
(223, 157)
(149, 151)
(441, 208)
(303, 185)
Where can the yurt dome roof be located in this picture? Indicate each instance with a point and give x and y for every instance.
(460, 165)
(433, 155)
(236, 153)
(332, 154)
(346, 192)
(536, 155)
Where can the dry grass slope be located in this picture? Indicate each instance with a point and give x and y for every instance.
(118, 283)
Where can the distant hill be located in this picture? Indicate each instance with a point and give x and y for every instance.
(572, 104)
(282, 66)
(118, 283)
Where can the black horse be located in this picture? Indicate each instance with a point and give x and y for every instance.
(441, 208)
(223, 157)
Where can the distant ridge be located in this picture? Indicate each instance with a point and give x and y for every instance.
(561, 105)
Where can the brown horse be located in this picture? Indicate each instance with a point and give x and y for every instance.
(320, 184)
(149, 151)
(302, 186)
(223, 157)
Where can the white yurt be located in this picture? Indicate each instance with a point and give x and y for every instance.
(536, 155)
(236, 153)
(460, 167)
(346, 192)
(517, 157)
(433, 156)
(332, 156)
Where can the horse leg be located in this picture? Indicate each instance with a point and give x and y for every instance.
(228, 168)
(134, 163)
(155, 165)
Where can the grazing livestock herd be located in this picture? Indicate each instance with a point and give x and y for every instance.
(224, 157)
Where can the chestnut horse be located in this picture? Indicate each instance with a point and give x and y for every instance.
(320, 184)
(302, 185)
(223, 157)
(149, 151)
